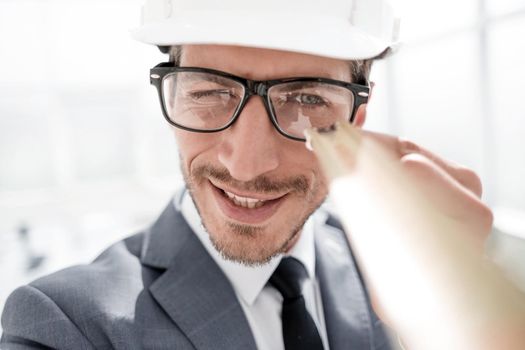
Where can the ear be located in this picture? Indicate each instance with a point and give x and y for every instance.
(360, 116)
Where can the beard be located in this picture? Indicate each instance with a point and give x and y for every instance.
(252, 245)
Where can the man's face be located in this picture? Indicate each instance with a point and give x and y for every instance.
(253, 188)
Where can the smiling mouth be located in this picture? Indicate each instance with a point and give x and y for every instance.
(247, 201)
(244, 207)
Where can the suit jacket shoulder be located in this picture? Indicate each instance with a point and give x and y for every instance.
(59, 310)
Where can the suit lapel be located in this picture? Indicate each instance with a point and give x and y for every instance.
(193, 290)
(345, 303)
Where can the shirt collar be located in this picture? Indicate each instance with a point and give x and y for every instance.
(248, 281)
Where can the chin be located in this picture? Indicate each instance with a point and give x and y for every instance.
(250, 245)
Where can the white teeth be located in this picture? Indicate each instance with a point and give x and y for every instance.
(245, 201)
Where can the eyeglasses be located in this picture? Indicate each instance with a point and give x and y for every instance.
(207, 100)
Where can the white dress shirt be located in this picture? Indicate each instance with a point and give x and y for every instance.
(261, 302)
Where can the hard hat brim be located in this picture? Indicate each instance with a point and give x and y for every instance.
(316, 35)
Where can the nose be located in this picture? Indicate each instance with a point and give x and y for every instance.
(250, 147)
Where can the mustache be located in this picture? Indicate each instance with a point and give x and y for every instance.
(261, 184)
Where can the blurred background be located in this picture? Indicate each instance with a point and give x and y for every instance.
(86, 157)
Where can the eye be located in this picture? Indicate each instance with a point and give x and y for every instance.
(302, 99)
(310, 100)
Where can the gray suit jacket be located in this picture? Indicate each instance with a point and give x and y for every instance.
(160, 289)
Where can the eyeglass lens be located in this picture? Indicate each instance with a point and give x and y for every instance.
(205, 101)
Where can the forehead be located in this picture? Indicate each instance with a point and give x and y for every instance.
(263, 64)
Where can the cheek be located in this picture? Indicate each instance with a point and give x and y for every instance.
(320, 181)
(301, 161)
(322, 185)
(192, 145)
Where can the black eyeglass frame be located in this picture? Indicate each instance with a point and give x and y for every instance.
(251, 88)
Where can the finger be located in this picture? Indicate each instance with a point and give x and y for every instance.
(451, 197)
(402, 147)
(463, 175)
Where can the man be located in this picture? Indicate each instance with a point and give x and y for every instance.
(211, 273)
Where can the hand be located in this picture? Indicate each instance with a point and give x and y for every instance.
(417, 226)
(453, 189)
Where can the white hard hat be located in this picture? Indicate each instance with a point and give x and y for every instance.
(345, 29)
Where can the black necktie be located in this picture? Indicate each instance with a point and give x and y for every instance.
(299, 330)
